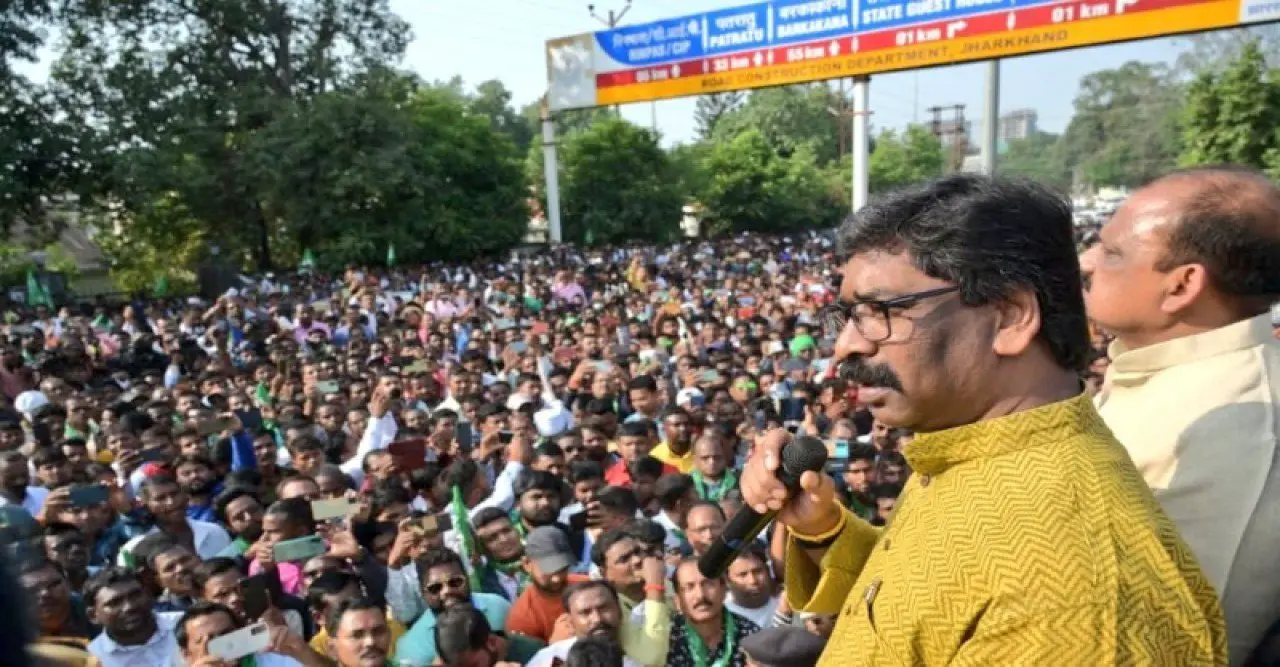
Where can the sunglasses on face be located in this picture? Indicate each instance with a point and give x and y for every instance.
(453, 583)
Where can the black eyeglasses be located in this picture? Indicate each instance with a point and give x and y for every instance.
(454, 584)
(871, 316)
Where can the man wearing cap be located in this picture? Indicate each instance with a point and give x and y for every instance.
(784, 646)
(548, 557)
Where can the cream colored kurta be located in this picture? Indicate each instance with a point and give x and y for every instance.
(1199, 417)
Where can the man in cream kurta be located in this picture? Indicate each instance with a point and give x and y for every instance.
(1194, 384)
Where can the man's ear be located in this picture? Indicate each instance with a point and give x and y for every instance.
(1018, 324)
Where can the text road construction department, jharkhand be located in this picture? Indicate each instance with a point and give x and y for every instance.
(897, 59)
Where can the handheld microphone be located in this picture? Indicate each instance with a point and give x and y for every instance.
(798, 457)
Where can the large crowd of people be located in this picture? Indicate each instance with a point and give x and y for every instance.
(519, 461)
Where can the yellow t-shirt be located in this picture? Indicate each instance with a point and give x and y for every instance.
(682, 463)
(320, 642)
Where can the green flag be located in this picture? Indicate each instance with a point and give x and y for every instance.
(37, 295)
(391, 254)
(589, 237)
(466, 541)
(308, 260)
(161, 287)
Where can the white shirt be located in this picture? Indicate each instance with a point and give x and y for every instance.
(158, 651)
(762, 616)
(560, 651)
(210, 540)
(32, 502)
(377, 435)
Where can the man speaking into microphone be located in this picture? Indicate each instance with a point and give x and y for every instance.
(1025, 535)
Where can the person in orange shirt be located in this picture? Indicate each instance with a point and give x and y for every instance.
(547, 560)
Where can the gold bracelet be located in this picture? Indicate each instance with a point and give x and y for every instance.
(823, 538)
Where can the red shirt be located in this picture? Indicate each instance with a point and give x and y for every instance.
(619, 475)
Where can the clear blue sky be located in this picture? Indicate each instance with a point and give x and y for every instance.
(503, 39)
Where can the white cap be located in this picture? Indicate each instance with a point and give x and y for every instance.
(775, 347)
(690, 395)
(552, 420)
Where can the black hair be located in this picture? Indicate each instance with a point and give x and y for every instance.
(581, 471)
(151, 546)
(602, 546)
(228, 496)
(707, 503)
(197, 611)
(330, 583)
(643, 383)
(548, 448)
(646, 530)
(48, 456)
(458, 630)
(106, 578)
(990, 237)
(675, 572)
(671, 489)
(461, 473)
(213, 567)
(437, 557)
(646, 466)
(537, 480)
(1227, 224)
(386, 494)
(487, 516)
(618, 500)
(149, 483)
(336, 615)
(636, 429)
(295, 510)
(248, 478)
(594, 652)
(582, 586)
(860, 452)
(305, 443)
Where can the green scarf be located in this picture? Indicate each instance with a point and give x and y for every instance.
(466, 541)
(511, 569)
(714, 492)
(698, 648)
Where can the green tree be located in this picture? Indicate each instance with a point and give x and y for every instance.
(1233, 116)
(185, 86)
(788, 117)
(709, 109)
(753, 188)
(1124, 131)
(1212, 51)
(616, 184)
(915, 155)
(1038, 157)
(492, 99)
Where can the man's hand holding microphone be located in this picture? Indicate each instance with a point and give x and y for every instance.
(783, 480)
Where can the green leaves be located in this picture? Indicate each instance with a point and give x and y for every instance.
(1232, 116)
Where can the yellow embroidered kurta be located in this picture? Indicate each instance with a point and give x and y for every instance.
(1025, 540)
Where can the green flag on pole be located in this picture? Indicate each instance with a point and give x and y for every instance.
(37, 295)
(308, 260)
(391, 254)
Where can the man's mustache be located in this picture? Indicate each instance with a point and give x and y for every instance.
(858, 370)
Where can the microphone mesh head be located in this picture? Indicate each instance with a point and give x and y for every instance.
(799, 456)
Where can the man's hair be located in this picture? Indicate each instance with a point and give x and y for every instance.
(388, 493)
(581, 471)
(618, 500)
(990, 237)
(330, 583)
(228, 496)
(675, 572)
(645, 466)
(642, 383)
(150, 547)
(537, 480)
(437, 557)
(859, 452)
(197, 611)
(461, 474)
(215, 567)
(594, 652)
(48, 456)
(646, 530)
(295, 510)
(707, 503)
(487, 516)
(460, 629)
(106, 578)
(338, 613)
(639, 428)
(549, 449)
(606, 542)
(198, 459)
(305, 443)
(1227, 223)
(583, 586)
(671, 489)
(149, 484)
